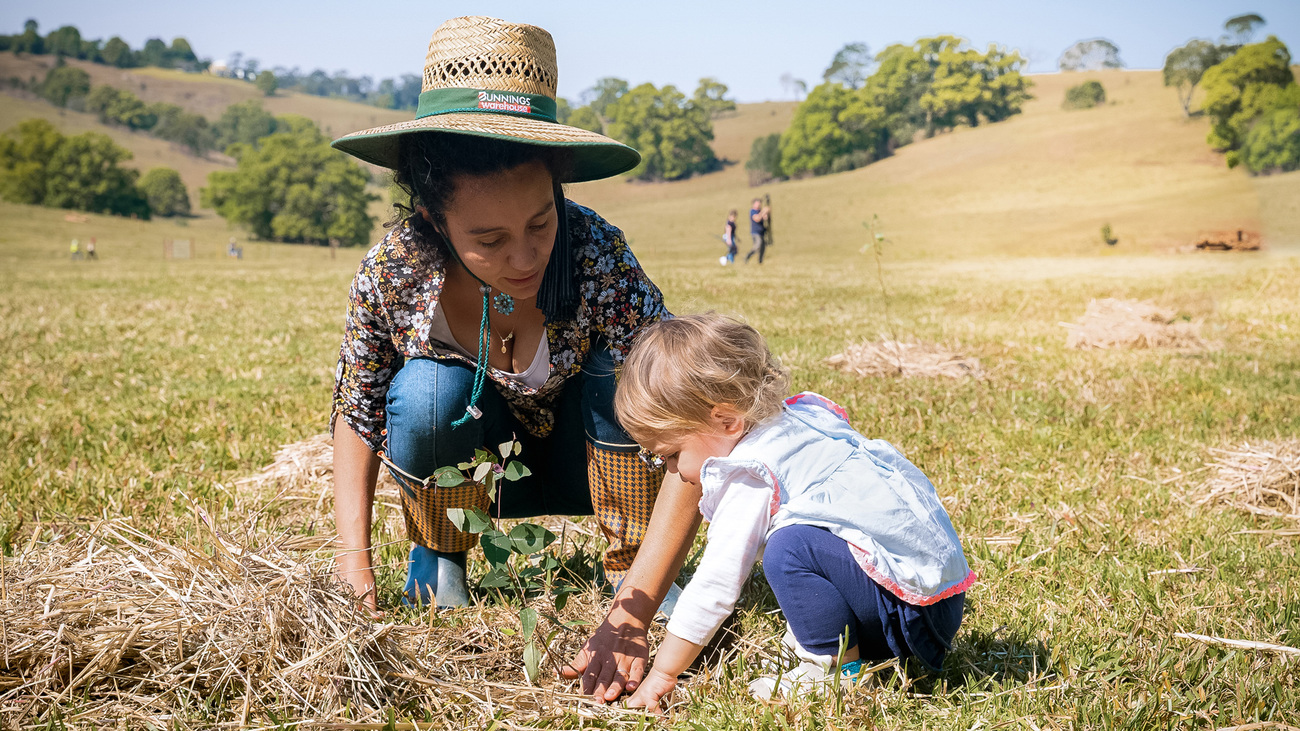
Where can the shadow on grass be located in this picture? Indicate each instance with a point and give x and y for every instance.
(1003, 655)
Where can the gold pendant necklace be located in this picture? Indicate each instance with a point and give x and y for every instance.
(505, 339)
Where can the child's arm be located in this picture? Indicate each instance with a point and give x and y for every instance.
(736, 533)
(672, 659)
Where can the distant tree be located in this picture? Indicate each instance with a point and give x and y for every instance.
(1273, 144)
(1186, 65)
(1093, 54)
(63, 83)
(1255, 80)
(266, 83)
(711, 96)
(1084, 96)
(293, 187)
(832, 124)
(117, 53)
(849, 66)
(154, 53)
(25, 154)
(968, 86)
(90, 51)
(65, 41)
(189, 130)
(764, 162)
(562, 109)
(586, 118)
(598, 98)
(29, 41)
(902, 77)
(120, 107)
(180, 53)
(794, 88)
(165, 192)
(672, 134)
(245, 122)
(84, 175)
(1241, 28)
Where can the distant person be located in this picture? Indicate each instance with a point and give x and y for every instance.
(75, 249)
(90, 249)
(729, 238)
(757, 229)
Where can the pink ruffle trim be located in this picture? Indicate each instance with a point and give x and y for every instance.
(920, 600)
(820, 400)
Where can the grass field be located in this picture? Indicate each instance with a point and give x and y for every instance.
(1070, 475)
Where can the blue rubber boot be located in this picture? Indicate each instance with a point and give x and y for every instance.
(436, 578)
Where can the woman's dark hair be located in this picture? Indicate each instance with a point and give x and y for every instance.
(431, 161)
(426, 174)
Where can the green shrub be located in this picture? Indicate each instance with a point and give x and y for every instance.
(1273, 144)
(64, 83)
(672, 134)
(1087, 95)
(764, 159)
(165, 192)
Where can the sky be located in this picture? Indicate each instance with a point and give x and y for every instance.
(747, 45)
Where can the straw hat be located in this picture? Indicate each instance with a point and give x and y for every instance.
(488, 78)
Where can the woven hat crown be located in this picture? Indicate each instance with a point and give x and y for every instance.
(476, 52)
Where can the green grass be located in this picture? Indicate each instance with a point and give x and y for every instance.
(130, 380)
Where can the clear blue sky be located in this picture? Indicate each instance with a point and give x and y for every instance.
(746, 45)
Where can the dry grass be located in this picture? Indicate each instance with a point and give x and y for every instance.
(894, 358)
(1116, 323)
(112, 626)
(1261, 478)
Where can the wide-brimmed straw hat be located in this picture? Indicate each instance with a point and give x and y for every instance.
(485, 77)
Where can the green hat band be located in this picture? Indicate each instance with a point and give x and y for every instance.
(446, 101)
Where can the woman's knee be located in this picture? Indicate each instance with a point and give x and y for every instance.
(598, 385)
(424, 398)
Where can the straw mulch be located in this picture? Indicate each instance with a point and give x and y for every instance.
(1115, 323)
(1261, 478)
(108, 626)
(894, 358)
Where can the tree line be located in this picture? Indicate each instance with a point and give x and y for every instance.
(1250, 95)
(854, 117)
(67, 41)
(40, 165)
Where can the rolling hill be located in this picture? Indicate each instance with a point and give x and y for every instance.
(1039, 184)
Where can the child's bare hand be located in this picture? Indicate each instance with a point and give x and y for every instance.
(653, 691)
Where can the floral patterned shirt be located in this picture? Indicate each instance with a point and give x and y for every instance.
(395, 293)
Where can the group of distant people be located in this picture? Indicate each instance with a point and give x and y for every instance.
(87, 253)
(760, 217)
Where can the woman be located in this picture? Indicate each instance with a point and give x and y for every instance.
(495, 309)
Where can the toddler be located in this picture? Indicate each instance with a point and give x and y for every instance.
(855, 543)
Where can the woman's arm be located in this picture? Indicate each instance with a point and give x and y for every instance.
(356, 469)
(614, 658)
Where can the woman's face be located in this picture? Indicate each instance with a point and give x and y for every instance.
(503, 227)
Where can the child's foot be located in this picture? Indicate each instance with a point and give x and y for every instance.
(807, 677)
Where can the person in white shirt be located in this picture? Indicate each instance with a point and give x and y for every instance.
(856, 545)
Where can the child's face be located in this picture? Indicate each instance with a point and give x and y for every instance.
(686, 455)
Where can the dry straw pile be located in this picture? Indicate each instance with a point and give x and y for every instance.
(110, 627)
(1116, 323)
(1261, 478)
(894, 358)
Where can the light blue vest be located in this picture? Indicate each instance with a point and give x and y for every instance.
(825, 473)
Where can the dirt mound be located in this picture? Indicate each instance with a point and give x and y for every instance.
(894, 358)
(1261, 478)
(1116, 323)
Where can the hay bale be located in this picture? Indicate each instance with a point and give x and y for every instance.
(1261, 478)
(1116, 323)
(894, 358)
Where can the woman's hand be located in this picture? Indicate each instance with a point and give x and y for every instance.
(653, 692)
(614, 659)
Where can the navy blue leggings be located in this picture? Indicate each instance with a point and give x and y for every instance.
(824, 593)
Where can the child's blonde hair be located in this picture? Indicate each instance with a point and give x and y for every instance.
(679, 369)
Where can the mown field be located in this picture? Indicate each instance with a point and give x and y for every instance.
(1072, 476)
